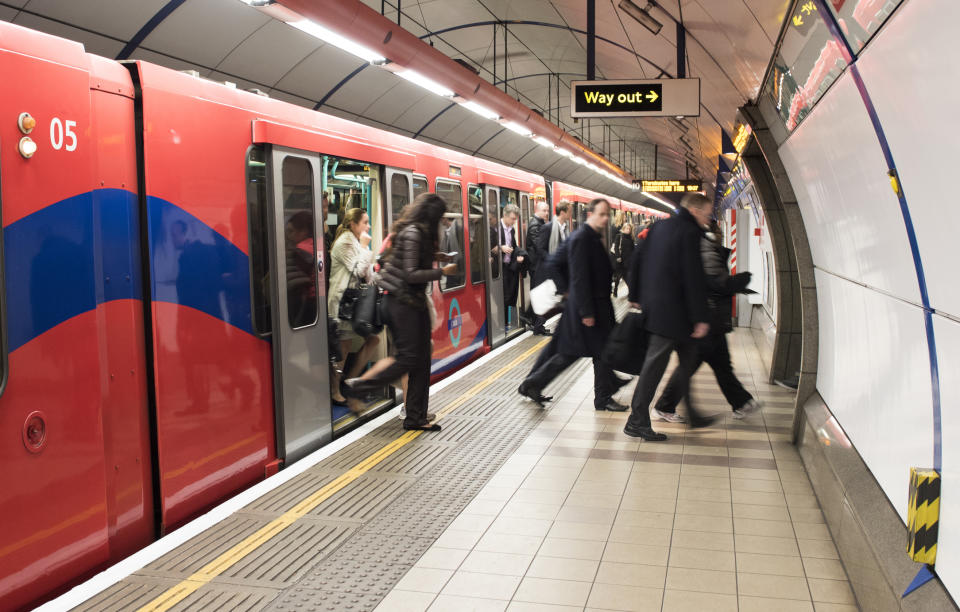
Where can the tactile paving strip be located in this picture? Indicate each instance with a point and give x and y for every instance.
(351, 550)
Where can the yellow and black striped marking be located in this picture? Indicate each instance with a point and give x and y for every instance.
(923, 515)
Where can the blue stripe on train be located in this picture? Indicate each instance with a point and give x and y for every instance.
(194, 265)
(52, 270)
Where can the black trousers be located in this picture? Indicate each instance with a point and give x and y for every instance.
(552, 365)
(714, 350)
(618, 275)
(410, 327)
(655, 363)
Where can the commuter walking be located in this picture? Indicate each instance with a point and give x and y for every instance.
(588, 314)
(622, 251)
(667, 282)
(549, 238)
(351, 263)
(535, 258)
(407, 271)
(713, 349)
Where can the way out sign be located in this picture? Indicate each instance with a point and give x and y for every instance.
(646, 98)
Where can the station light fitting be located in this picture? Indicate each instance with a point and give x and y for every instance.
(425, 82)
(341, 42)
(641, 15)
(481, 110)
(258, 2)
(543, 142)
(519, 129)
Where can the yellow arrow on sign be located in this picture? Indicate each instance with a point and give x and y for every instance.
(652, 96)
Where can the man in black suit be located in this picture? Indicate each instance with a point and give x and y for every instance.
(513, 257)
(667, 282)
(549, 238)
(587, 316)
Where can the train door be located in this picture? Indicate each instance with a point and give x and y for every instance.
(496, 317)
(300, 352)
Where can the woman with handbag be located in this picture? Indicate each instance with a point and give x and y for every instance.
(351, 264)
(622, 251)
(408, 269)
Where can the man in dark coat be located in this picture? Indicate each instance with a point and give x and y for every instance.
(667, 282)
(713, 349)
(588, 315)
(550, 237)
(535, 258)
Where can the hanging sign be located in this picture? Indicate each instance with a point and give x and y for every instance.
(646, 98)
(678, 186)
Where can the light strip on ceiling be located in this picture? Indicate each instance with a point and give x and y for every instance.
(330, 37)
(425, 82)
(513, 126)
(483, 111)
(543, 142)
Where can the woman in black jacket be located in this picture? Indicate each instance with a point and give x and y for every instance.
(622, 250)
(406, 274)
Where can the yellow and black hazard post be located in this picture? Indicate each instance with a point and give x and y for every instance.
(923, 515)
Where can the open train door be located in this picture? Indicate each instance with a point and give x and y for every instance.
(496, 313)
(301, 364)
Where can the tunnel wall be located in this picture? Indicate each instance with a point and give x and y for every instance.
(878, 364)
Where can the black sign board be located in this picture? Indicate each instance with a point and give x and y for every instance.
(635, 98)
(662, 186)
(619, 98)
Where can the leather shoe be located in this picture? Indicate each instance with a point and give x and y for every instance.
(644, 432)
(535, 396)
(543, 331)
(612, 406)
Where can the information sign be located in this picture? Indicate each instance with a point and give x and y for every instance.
(680, 186)
(645, 98)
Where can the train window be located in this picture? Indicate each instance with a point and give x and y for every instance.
(259, 226)
(451, 231)
(493, 222)
(299, 210)
(399, 194)
(419, 185)
(475, 210)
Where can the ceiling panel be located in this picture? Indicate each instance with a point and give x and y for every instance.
(269, 53)
(126, 17)
(93, 43)
(188, 32)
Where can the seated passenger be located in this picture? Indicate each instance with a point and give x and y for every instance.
(351, 264)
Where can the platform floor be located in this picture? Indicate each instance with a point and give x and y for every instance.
(512, 507)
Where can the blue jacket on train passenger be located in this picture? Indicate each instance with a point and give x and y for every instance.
(590, 276)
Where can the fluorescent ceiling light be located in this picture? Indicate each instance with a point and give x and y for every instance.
(257, 2)
(543, 142)
(642, 15)
(567, 154)
(483, 111)
(657, 199)
(425, 82)
(519, 129)
(331, 37)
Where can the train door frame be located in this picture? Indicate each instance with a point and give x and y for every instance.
(496, 320)
(301, 371)
(389, 173)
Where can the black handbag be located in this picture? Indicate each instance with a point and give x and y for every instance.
(367, 316)
(348, 303)
(626, 346)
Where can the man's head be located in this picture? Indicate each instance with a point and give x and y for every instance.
(510, 214)
(543, 210)
(563, 211)
(700, 207)
(598, 214)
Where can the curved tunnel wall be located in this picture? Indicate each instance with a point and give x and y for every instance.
(875, 366)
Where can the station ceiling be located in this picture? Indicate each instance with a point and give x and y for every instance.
(525, 45)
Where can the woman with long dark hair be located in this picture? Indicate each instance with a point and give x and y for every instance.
(407, 271)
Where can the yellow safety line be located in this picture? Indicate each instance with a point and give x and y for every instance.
(181, 591)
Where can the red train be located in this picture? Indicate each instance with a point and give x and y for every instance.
(157, 353)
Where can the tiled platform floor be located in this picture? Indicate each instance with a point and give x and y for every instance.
(583, 518)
